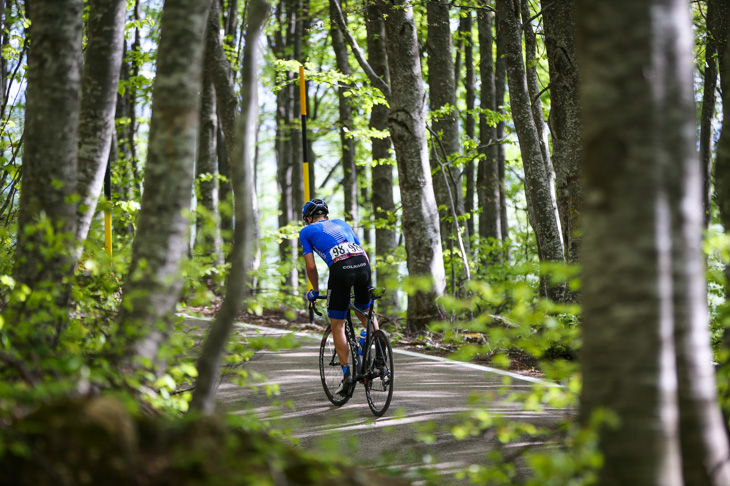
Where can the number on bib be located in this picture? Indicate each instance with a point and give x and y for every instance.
(345, 250)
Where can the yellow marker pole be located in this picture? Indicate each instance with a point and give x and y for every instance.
(303, 104)
(305, 164)
(108, 209)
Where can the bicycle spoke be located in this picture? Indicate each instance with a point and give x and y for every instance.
(379, 388)
(329, 369)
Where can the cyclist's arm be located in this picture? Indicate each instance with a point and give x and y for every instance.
(312, 272)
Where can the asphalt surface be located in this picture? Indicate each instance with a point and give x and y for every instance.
(431, 396)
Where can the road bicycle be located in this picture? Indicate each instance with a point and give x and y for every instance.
(372, 362)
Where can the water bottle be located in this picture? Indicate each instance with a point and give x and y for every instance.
(363, 335)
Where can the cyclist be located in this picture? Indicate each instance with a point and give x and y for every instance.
(349, 267)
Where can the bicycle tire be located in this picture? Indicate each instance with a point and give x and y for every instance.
(330, 369)
(380, 373)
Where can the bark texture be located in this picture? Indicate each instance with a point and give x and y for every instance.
(382, 171)
(537, 181)
(565, 125)
(488, 172)
(500, 87)
(442, 99)
(208, 238)
(153, 285)
(465, 29)
(286, 43)
(346, 125)
(644, 298)
(245, 234)
(50, 147)
(100, 81)
(707, 117)
(407, 124)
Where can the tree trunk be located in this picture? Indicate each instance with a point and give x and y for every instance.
(488, 186)
(627, 328)
(153, 286)
(707, 117)
(465, 27)
(207, 239)
(50, 155)
(500, 80)
(245, 237)
(533, 89)
(225, 193)
(537, 184)
(126, 190)
(565, 125)
(349, 183)
(407, 124)
(442, 98)
(286, 143)
(645, 311)
(702, 430)
(221, 73)
(132, 130)
(382, 172)
(103, 59)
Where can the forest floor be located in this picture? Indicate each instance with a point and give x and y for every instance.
(429, 343)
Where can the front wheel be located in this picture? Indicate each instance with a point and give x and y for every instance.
(330, 370)
(379, 377)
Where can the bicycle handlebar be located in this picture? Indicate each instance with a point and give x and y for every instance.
(313, 308)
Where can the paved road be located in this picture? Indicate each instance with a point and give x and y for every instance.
(430, 396)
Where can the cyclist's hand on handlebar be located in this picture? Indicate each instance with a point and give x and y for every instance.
(312, 295)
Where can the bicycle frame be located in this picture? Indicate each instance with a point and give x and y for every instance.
(350, 334)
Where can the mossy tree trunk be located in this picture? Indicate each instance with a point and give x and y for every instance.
(153, 285)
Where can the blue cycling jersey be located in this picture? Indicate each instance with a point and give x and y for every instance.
(331, 239)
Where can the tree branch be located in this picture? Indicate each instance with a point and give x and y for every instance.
(376, 80)
(453, 205)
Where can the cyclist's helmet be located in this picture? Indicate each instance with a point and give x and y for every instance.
(314, 208)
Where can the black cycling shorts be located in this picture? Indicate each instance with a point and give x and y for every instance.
(352, 273)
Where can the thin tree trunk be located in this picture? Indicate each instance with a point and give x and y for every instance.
(500, 80)
(207, 238)
(537, 184)
(488, 186)
(50, 157)
(704, 442)
(221, 73)
(442, 96)
(245, 238)
(225, 193)
(707, 118)
(153, 286)
(533, 89)
(103, 59)
(285, 145)
(407, 124)
(132, 128)
(465, 26)
(565, 124)
(4, 43)
(349, 183)
(382, 172)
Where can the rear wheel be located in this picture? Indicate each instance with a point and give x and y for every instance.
(330, 369)
(379, 379)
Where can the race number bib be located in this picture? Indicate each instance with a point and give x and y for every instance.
(345, 250)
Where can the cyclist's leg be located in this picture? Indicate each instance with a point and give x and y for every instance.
(338, 300)
(364, 318)
(338, 335)
(361, 286)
